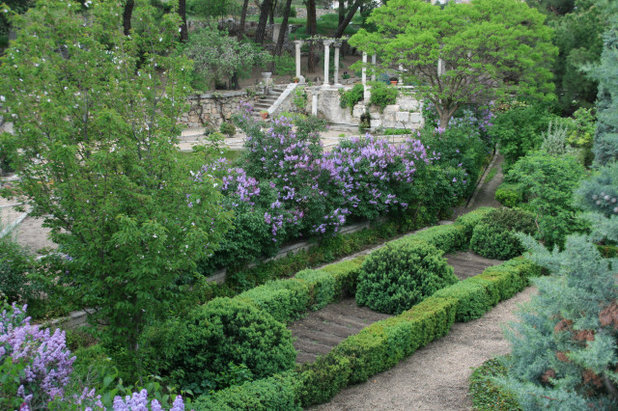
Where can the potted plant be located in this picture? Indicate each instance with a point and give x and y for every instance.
(394, 81)
(295, 79)
(264, 114)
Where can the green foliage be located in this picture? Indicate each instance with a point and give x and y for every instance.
(321, 285)
(15, 263)
(220, 59)
(285, 65)
(285, 300)
(224, 342)
(274, 393)
(382, 95)
(212, 8)
(397, 276)
(300, 99)
(447, 238)
(471, 219)
(485, 393)
(495, 236)
(564, 351)
(7, 153)
(227, 128)
(508, 195)
(349, 98)
(322, 379)
(480, 64)
(519, 130)
(555, 140)
(547, 184)
(98, 160)
(606, 137)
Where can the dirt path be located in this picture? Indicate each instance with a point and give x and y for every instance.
(436, 376)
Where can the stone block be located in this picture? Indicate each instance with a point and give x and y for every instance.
(407, 103)
(403, 116)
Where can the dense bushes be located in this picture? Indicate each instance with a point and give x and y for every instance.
(485, 393)
(274, 393)
(494, 236)
(351, 97)
(222, 343)
(15, 263)
(546, 185)
(382, 95)
(519, 130)
(396, 277)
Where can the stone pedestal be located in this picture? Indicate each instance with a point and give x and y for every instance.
(337, 45)
(327, 44)
(267, 80)
(298, 44)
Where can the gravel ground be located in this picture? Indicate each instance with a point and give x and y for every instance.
(436, 376)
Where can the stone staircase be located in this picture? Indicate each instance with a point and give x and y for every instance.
(267, 100)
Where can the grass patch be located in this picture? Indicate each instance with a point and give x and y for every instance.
(485, 393)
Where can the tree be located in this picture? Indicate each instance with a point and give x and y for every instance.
(219, 58)
(312, 30)
(261, 28)
(126, 16)
(284, 28)
(487, 49)
(95, 119)
(182, 12)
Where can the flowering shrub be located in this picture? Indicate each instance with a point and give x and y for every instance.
(371, 176)
(36, 368)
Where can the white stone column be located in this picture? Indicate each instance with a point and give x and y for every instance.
(327, 44)
(373, 64)
(400, 75)
(440, 67)
(337, 45)
(298, 44)
(314, 102)
(364, 78)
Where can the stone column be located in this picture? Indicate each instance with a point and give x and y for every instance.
(314, 102)
(400, 75)
(337, 45)
(364, 78)
(327, 44)
(440, 67)
(298, 44)
(373, 63)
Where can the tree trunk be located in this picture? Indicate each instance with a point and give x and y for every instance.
(445, 115)
(182, 11)
(271, 17)
(243, 17)
(348, 18)
(284, 28)
(341, 11)
(261, 28)
(312, 28)
(126, 17)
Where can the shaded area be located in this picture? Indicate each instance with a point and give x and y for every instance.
(468, 264)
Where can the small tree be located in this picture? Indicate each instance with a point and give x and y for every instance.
(463, 53)
(95, 118)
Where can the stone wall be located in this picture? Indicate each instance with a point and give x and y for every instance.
(211, 109)
(405, 114)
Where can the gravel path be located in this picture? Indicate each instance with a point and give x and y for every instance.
(436, 376)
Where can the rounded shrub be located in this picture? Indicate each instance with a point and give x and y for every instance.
(509, 195)
(494, 236)
(227, 128)
(224, 342)
(395, 277)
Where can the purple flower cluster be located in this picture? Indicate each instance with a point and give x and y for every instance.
(369, 174)
(46, 361)
(138, 401)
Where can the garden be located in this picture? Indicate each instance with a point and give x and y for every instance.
(140, 227)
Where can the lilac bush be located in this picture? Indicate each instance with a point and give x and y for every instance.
(36, 368)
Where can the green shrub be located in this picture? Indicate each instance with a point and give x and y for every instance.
(15, 264)
(382, 95)
(351, 97)
(285, 300)
(448, 237)
(227, 128)
(508, 195)
(345, 274)
(274, 393)
(547, 185)
(472, 298)
(324, 378)
(485, 393)
(225, 342)
(285, 65)
(492, 241)
(396, 277)
(519, 131)
(321, 287)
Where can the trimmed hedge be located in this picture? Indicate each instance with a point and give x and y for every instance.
(285, 300)
(345, 274)
(383, 344)
(278, 392)
(321, 287)
(375, 349)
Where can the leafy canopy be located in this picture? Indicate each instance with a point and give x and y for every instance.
(488, 48)
(95, 119)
